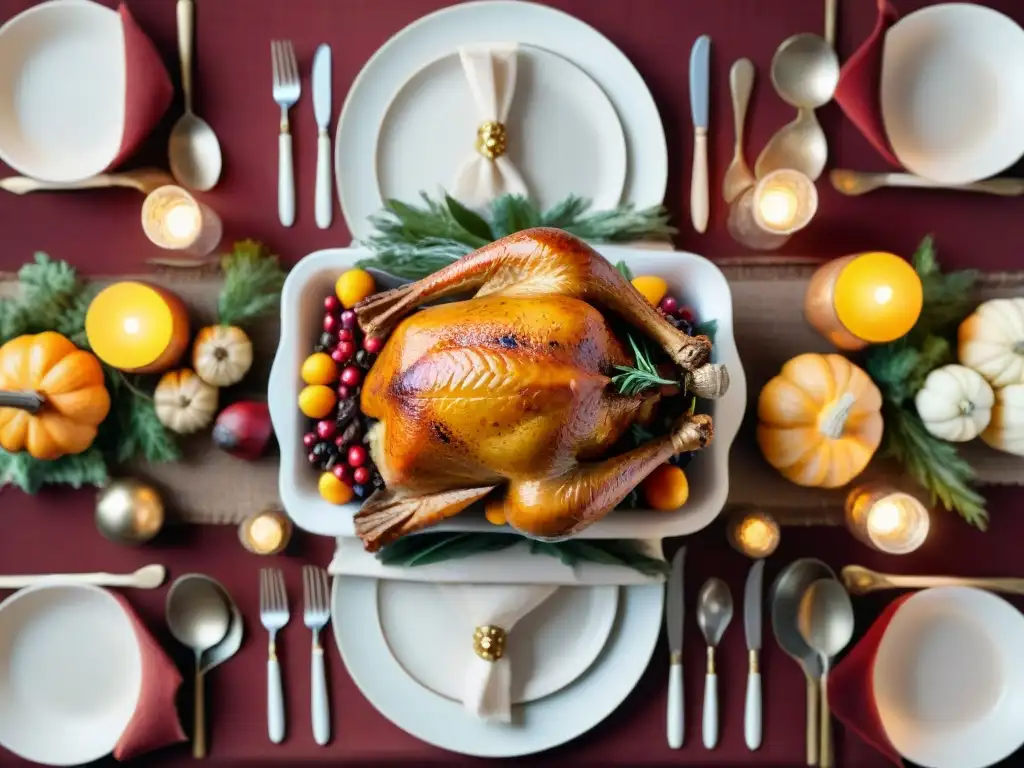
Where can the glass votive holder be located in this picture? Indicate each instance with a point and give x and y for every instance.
(753, 532)
(173, 219)
(886, 518)
(781, 203)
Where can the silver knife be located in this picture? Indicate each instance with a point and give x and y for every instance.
(700, 84)
(322, 110)
(752, 602)
(674, 611)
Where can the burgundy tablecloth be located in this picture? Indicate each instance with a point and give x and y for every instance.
(100, 233)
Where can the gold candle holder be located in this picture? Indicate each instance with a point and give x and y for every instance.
(753, 532)
(173, 219)
(886, 518)
(266, 533)
(781, 203)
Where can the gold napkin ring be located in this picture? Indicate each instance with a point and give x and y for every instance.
(489, 642)
(491, 139)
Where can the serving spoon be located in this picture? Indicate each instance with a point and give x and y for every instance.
(738, 176)
(861, 581)
(858, 183)
(147, 577)
(714, 612)
(145, 180)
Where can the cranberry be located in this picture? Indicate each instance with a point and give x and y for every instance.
(314, 459)
(348, 319)
(361, 475)
(356, 456)
(668, 305)
(343, 473)
(330, 323)
(309, 439)
(346, 348)
(344, 393)
(345, 334)
(338, 356)
(686, 313)
(326, 429)
(331, 304)
(341, 443)
(351, 376)
(372, 344)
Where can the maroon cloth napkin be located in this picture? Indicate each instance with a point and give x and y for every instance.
(851, 694)
(148, 89)
(859, 91)
(155, 722)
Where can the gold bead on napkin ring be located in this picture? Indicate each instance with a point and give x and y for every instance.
(491, 139)
(489, 642)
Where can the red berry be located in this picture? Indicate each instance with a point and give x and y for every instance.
(356, 456)
(313, 458)
(686, 313)
(330, 323)
(340, 443)
(331, 304)
(343, 473)
(372, 344)
(348, 319)
(344, 393)
(347, 349)
(668, 305)
(326, 429)
(338, 356)
(345, 334)
(351, 376)
(309, 439)
(361, 475)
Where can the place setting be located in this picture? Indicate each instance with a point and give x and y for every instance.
(510, 455)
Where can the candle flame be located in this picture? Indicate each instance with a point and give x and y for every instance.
(886, 518)
(131, 325)
(778, 208)
(183, 221)
(883, 294)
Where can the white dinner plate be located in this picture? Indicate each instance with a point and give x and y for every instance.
(415, 615)
(536, 726)
(62, 90)
(949, 678)
(952, 92)
(437, 35)
(564, 135)
(70, 673)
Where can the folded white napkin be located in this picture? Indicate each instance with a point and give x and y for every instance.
(488, 173)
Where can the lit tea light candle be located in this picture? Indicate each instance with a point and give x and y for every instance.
(266, 533)
(887, 519)
(174, 219)
(754, 533)
(781, 203)
(869, 298)
(137, 327)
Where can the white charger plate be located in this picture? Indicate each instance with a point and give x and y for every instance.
(949, 678)
(70, 673)
(536, 726)
(952, 92)
(564, 135)
(62, 90)
(439, 34)
(415, 615)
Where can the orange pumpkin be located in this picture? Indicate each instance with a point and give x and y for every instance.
(52, 396)
(819, 420)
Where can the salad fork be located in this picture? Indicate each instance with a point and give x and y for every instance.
(317, 613)
(286, 93)
(274, 616)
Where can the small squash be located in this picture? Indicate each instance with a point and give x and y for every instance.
(52, 396)
(184, 402)
(991, 341)
(1005, 432)
(955, 403)
(222, 355)
(819, 420)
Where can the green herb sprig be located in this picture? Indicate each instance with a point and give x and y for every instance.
(253, 279)
(640, 377)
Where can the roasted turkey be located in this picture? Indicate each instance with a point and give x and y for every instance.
(508, 395)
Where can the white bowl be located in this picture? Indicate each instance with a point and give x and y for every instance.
(949, 678)
(696, 280)
(952, 92)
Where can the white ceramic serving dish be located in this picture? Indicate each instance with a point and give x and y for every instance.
(952, 94)
(697, 281)
(949, 678)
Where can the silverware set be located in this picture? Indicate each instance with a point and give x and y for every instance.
(274, 615)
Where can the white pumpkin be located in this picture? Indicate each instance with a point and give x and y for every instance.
(991, 341)
(955, 403)
(1006, 430)
(222, 355)
(184, 403)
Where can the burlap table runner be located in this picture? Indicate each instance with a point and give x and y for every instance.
(210, 486)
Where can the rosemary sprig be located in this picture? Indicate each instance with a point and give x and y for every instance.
(635, 379)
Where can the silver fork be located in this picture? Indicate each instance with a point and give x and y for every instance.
(316, 616)
(286, 93)
(274, 615)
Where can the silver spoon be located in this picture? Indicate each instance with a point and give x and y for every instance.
(232, 641)
(786, 592)
(738, 176)
(805, 73)
(714, 612)
(198, 618)
(194, 151)
(826, 623)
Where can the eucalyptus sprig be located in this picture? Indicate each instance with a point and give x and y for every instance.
(635, 379)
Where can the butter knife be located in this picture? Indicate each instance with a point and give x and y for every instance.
(322, 111)
(752, 597)
(700, 74)
(674, 611)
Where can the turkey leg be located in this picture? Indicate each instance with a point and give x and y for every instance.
(540, 261)
(560, 506)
